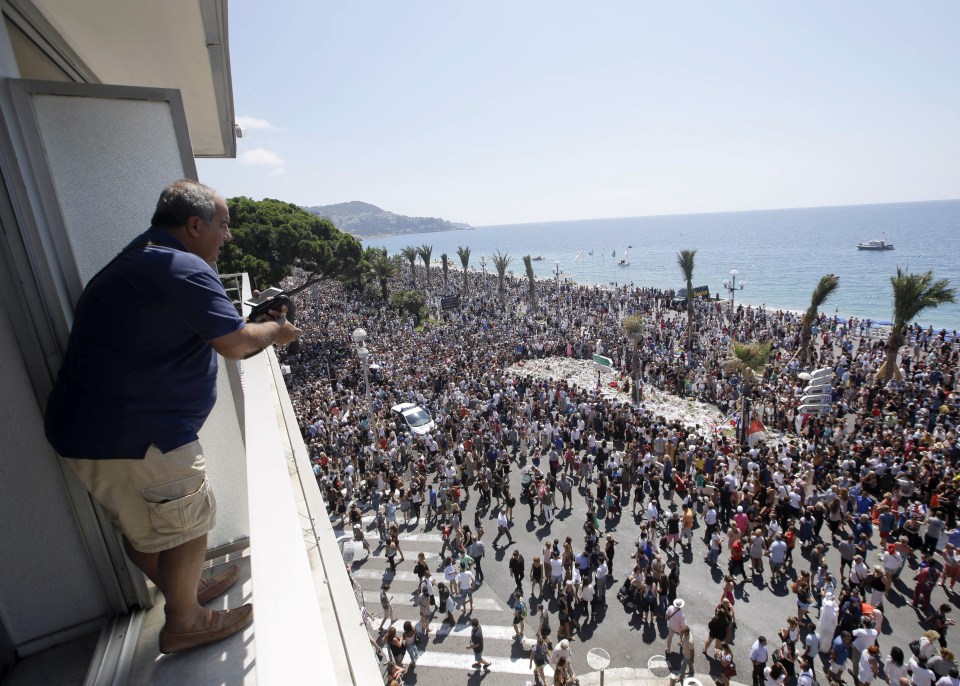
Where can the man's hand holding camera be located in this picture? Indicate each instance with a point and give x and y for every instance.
(288, 331)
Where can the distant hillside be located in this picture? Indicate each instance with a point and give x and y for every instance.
(363, 219)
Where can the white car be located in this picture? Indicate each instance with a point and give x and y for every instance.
(414, 417)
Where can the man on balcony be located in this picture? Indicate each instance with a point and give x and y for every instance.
(138, 381)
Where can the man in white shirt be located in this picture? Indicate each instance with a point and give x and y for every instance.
(675, 621)
(778, 554)
(503, 528)
(465, 582)
(556, 571)
(710, 519)
(863, 638)
(601, 574)
(589, 596)
(758, 656)
(652, 514)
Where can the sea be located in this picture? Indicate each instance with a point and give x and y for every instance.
(779, 255)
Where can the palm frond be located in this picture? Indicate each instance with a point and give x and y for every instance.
(685, 260)
(914, 293)
(463, 253)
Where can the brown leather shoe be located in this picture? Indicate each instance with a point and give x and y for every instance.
(211, 588)
(217, 626)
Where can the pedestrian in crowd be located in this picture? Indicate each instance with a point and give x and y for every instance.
(758, 657)
(465, 583)
(392, 550)
(676, 620)
(728, 668)
(717, 629)
(386, 604)
(393, 642)
(426, 611)
(894, 667)
(563, 661)
(519, 613)
(687, 653)
(539, 657)
(839, 654)
(476, 645)
(536, 576)
(450, 572)
(446, 602)
(409, 639)
(503, 528)
(561, 674)
(517, 567)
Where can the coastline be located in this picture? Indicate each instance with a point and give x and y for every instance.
(779, 270)
(877, 325)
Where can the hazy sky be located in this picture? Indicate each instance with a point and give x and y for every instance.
(500, 112)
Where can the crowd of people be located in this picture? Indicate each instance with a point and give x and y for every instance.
(879, 470)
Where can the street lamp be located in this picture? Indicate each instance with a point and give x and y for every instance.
(558, 291)
(360, 339)
(731, 287)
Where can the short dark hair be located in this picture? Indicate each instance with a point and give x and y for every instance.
(181, 200)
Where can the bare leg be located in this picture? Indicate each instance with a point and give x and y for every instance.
(176, 572)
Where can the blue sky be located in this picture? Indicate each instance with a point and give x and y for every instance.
(504, 112)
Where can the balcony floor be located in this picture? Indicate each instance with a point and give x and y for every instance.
(62, 665)
(230, 661)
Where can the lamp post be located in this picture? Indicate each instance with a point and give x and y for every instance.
(558, 291)
(360, 339)
(731, 287)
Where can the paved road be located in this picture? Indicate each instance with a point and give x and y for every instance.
(446, 660)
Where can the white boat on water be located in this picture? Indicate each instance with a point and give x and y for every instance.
(875, 245)
(625, 262)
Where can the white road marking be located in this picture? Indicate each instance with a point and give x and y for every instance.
(417, 538)
(485, 604)
(381, 556)
(495, 632)
(464, 660)
(378, 574)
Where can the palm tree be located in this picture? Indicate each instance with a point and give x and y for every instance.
(425, 251)
(531, 283)
(411, 254)
(633, 328)
(501, 261)
(464, 254)
(685, 262)
(828, 284)
(747, 360)
(383, 269)
(912, 293)
(445, 262)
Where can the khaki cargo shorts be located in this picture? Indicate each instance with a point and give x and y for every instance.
(158, 502)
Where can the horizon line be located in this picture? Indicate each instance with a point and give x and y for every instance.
(691, 214)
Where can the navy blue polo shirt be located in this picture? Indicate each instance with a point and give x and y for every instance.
(139, 368)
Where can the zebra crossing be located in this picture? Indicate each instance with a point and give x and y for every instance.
(446, 646)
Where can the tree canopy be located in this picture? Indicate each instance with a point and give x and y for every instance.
(271, 238)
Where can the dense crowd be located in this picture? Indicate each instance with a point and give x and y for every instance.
(879, 470)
